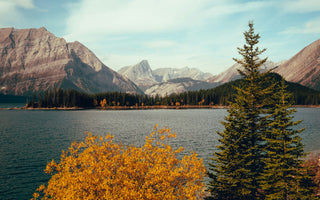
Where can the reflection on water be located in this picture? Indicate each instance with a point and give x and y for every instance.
(29, 139)
(12, 105)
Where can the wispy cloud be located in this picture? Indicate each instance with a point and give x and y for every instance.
(113, 17)
(137, 16)
(301, 6)
(202, 33)
(10, 13)
(309, 27)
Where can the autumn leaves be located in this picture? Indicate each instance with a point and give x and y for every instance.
(101, 169)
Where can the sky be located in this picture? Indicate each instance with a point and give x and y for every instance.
(201, 34)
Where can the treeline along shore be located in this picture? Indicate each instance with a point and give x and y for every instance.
(218, 97)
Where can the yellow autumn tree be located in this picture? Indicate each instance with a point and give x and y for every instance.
(98, 168)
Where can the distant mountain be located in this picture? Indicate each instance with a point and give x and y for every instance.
(159, 81)
(140, 73)
(34, 60)
(232, 73)
(178, 86)
(165, 74)
(304, 67)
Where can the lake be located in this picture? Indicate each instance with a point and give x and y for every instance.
(30, 139)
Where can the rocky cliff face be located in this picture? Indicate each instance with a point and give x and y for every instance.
(304, 67)
(34, 60)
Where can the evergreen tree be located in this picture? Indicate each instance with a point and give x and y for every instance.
(284, 152)
(238, 162)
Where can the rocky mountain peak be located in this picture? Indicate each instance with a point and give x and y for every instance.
(140, 74)
(35, 60)
(142, 68)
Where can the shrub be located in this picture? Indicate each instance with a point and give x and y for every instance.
(101, 169)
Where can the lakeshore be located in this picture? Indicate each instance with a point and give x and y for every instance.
(141, 107)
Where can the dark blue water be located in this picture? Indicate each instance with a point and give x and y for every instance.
(30, 139)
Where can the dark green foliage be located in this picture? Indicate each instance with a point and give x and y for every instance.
(260, 156)
(283, 176)
(61, 98)
(225, 93)
(220, 95)
(238, 163)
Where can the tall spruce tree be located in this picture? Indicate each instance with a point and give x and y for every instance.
(283, 176)
(238, 163)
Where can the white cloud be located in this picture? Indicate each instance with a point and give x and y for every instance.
(93, 18)
(136, 16)
(310, 27)
(28, 4)
(10, 13)
(301, 6)
(133, 30)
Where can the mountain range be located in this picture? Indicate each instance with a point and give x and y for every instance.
(34, 60)
(303, 68)
(164, 81)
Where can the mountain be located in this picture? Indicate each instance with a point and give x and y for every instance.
(164, 81)
(165, 74)
(232, 73)
(140, 73)
(177, 86)
(34, 60)
(304, 67)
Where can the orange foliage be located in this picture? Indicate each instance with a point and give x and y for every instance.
(312, 164)
(101, 169)
(103, 103)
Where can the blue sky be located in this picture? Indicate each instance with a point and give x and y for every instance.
(171, 33)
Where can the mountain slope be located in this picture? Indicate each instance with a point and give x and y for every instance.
(302, 95)
(304, 67)
(178, 86)
(232, 73)
(34, 60)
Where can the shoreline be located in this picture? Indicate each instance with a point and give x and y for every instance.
(122, 108)
(143, 107)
